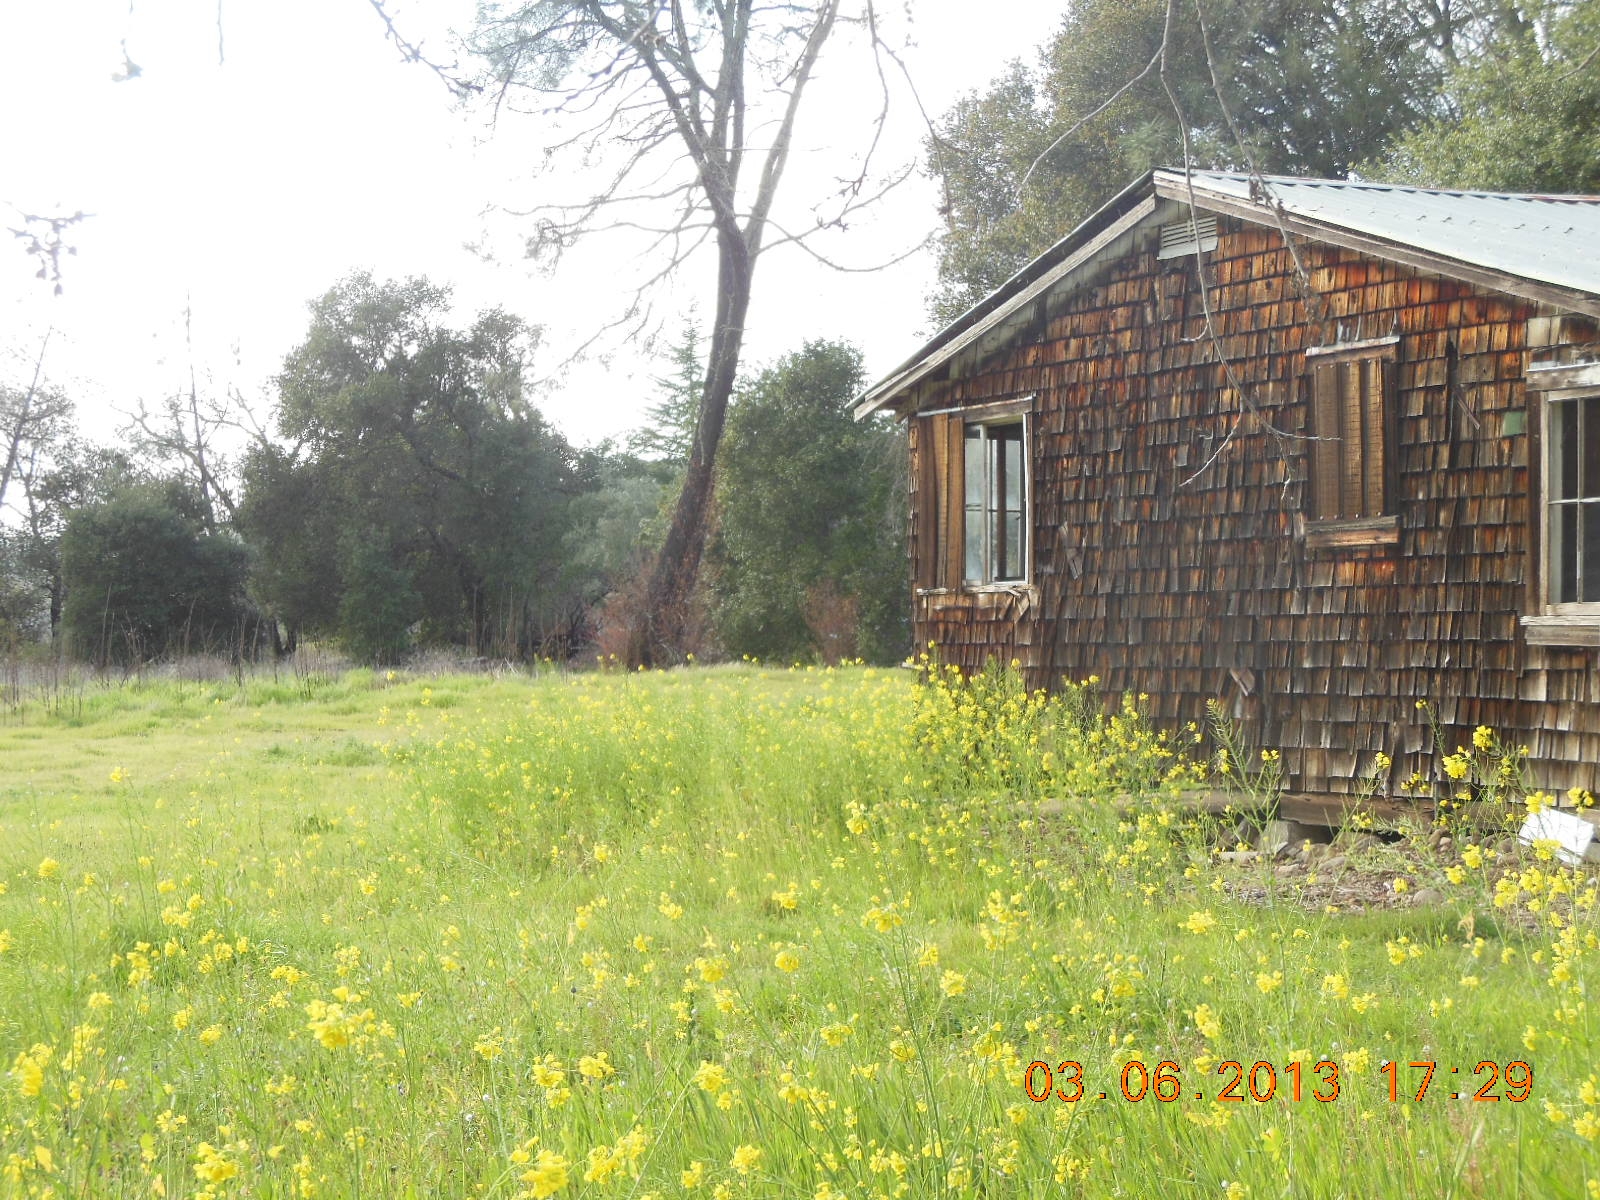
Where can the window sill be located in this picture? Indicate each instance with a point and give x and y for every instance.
(1368, 531)
(1013, 587)
(1562, 630)
(1027, 590)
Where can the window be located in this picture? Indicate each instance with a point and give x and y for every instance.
(974, 506)
(1572, 500)
(996, 527)
(1564, 588)
(1351, 422)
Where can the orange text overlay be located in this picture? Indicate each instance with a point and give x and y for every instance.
(1260, 1082)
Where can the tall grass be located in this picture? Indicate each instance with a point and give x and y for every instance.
(743, 933)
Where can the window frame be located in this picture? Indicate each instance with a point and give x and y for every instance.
(1587, 612)
(942, 504)
(1353, 525)
(1546, 622)
(991, 505)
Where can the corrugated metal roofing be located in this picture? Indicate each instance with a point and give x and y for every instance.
(1553, 239)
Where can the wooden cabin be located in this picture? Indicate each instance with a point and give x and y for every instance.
(1317, 449)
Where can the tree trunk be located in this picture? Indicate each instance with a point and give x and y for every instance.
(658, 633)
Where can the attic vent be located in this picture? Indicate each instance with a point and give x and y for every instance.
(1184, 237)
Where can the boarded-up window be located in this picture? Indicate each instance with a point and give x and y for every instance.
(973, 500)
(1572, 500)
(1351, 423)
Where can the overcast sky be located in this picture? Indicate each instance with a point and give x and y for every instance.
(246, 186)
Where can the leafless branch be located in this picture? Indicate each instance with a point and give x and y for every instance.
(1155, 60)
(412, 52)
(800, 240)
(44, 238)
(25, 418)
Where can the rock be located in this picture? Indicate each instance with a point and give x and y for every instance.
(1275, 836)
(1287, 870)
(1335, 863)
(1427, 896)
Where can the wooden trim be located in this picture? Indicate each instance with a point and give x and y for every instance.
(1533, 593)
(1561, 630)
(985, 412)
(925, 434)
(954, 494)
(1011, 587)
(1384, 347)
(1389, 417)
(1567, 375)
(1368, 531)
(1325, 449)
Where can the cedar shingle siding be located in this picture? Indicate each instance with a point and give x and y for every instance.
(1177, 548)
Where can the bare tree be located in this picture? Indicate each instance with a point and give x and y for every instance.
(691, 105)
(35, 426)
(192, 431)
(28, 417)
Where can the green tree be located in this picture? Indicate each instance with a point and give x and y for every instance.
(291, 511)
(410, 440)
(144, 580)
(667, 432)
(1312, 88)
(810, 555)
(71, 475)
(377, 604)
(1524, 116)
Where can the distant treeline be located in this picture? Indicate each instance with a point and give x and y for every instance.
(405, 493)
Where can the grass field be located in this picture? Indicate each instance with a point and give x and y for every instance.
(739, 932)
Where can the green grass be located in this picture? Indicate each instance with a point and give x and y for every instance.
(465, 936)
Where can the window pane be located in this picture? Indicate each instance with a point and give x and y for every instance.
(1563, 556)
(1014, 474)
(1563, 450)
(1589, 435)
(1589, 535)
(1015, 556)
(976, 523)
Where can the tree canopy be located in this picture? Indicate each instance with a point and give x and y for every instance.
(411, 454)
(1278, 86)
(144, 579)
(810, 555)
(1523, 115)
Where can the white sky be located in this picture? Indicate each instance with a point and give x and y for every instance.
(251, 186)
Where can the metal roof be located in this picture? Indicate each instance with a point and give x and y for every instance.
(1552, 239)
(1545, 248)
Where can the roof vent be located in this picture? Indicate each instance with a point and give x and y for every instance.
(1186, 237)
